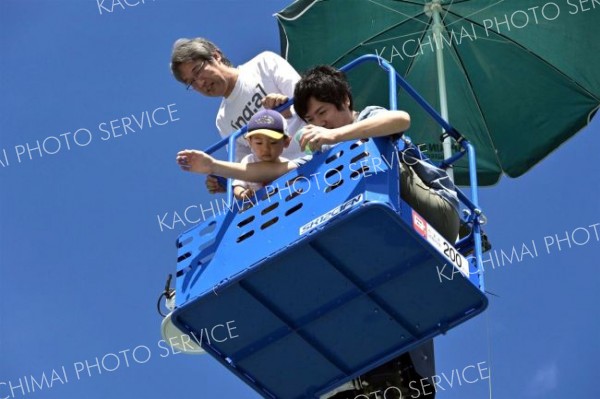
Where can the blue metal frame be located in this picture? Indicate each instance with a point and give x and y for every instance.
(394, 78)
(368, 269)
(284, 269)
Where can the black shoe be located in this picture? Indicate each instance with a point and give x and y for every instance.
(396, 376)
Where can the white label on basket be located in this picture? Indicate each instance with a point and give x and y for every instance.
(328, 215)
(440, 243)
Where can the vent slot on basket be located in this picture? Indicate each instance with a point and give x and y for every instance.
(360, 156)
(246, 221)
(269, 223)
(292, 181)
(269, 208)
(358, 143)
(293, 209)
(206, 244)
(208, 229)
(334, 171)
(294, 195)
(338, 180)
(184, 242)
(269, 192)
(244, 236)
(245, 206)
(335, 156)
(184, 256)
(334, 186)
(360, 171)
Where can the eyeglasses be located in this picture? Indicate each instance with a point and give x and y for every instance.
(196, 71)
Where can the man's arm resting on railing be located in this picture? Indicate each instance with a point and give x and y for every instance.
(383, 123)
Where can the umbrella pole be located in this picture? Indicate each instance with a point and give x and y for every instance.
(438, 28)
(435, 8)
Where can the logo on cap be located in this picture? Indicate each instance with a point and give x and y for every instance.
(268, 122)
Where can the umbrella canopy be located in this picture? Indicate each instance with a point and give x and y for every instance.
(521, 77)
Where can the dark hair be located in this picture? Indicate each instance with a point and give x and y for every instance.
(197, 49)
(326, 84)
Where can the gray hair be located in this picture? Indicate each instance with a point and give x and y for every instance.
(190, 50)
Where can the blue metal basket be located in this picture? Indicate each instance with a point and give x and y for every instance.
(328, 275)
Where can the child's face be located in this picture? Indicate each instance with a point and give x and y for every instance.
(266, 148)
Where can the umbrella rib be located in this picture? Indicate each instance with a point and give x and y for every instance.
(447, 6)
(482, 115)
(412, 60)
(300, 13)
(519, 45)
(278, 15)
(466, 17)
(410, 18)
(509, 41)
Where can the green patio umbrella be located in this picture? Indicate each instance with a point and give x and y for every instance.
(517, 78)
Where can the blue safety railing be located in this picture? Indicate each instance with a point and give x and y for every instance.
(473, 240)
(329, 244)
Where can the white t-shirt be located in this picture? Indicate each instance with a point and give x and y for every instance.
(264, 74)
(251, 158)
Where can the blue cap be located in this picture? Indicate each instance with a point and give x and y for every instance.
(268, 122)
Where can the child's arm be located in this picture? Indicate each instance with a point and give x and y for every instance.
(200, 162)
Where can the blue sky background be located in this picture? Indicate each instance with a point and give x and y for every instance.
(83, 257)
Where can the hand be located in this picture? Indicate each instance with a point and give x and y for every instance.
(213, 186)
(315, 137)
(195, 161)
(247, 195)
(274, 100)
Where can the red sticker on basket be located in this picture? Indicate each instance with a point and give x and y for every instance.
(419, 224)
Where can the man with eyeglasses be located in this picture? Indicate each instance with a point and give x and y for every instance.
(201, 66)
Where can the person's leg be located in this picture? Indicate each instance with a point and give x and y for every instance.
(399, 377)
(349, 390)
(437, 211)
